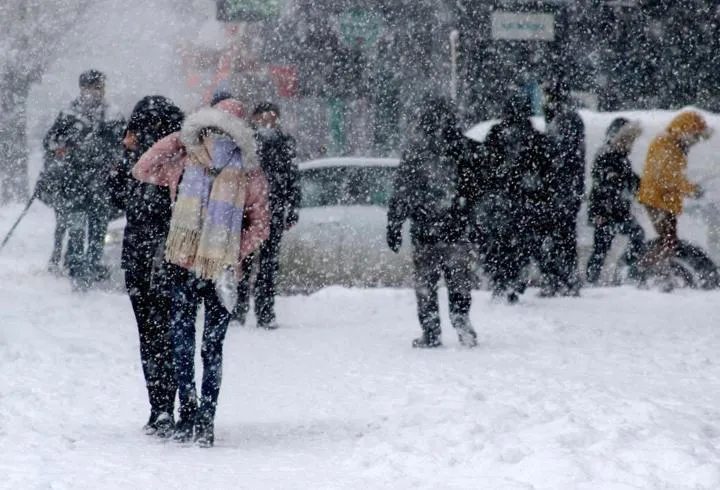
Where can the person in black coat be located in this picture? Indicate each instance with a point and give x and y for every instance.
(566, 133)
(516, 201)
(431, 190)
(614, 184)
(276, 152)
(148, 211)
(84, 142)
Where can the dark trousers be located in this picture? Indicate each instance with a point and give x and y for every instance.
(431, 262)
(604, 235)
(62, 223)
(97, 222)
(76, 259)
(559, 265)
(82, 260)
(658, 256)
(150, 299)
(188, 293)
(511, 250)
(265, 282)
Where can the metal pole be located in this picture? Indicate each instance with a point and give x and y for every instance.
(454, 45)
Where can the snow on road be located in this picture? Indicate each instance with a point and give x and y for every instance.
(619, 389)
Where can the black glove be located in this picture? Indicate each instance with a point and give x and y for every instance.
(394, 238)
(291, 219)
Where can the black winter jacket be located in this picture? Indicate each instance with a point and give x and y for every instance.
(566, 133)
(276, 152)
(91, 142)
(614, 184)
(519, 174)
(147, 206)
(433, 188)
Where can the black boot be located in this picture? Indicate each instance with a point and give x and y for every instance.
(149, 428)
(160, 424)
(185, 427)
(205, 432)
(429, 340)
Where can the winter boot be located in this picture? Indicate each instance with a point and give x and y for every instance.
(164, 426)
(150, 427)
(273, 325)
(429, 339)
(184, 431)
(205, 432)
(239, 315)
(466, 334)
(185, 427)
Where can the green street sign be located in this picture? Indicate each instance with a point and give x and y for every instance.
(247, 10)
(361, 25)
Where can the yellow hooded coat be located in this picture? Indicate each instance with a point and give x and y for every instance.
(663, 184)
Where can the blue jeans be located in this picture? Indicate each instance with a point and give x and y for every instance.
(187, 293)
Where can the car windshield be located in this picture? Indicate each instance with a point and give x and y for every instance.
(346, 186)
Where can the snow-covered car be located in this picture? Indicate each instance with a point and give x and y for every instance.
(340, 237)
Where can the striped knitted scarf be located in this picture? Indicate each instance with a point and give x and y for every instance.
(207, 218)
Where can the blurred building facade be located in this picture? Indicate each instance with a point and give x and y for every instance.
(352, 73)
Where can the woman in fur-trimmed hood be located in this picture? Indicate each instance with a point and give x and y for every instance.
(220, 216)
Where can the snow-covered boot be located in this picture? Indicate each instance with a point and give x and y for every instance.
(466, 334)
(205, 432)
(164, 425)
(149, 428)
(185, 427)
(184, 430)
(428, 340)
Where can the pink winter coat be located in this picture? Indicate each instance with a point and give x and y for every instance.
(163, 165)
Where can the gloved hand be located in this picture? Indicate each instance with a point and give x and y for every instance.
(699, 192)
(291, 219)
(394, 238)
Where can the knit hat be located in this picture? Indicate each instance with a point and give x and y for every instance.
(92, 79)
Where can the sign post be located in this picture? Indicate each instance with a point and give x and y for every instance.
(521, 26)
(246, 10)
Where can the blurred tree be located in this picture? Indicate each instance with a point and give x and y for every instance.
(31, 33)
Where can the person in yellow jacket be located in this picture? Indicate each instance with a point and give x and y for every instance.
(664, 185)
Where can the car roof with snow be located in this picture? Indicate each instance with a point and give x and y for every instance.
(349, 162)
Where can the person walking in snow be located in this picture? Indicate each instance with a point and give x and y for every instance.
(220, 216)
(276, 153)
(147, 212)
(664, 185)
(614, 186)
(86, 140)
(430, 190)
(516, 202)
(566, 134)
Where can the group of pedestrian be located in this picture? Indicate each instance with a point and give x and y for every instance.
(207, 197)
(515, 198)
(204, 196)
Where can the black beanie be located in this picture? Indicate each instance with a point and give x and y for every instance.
(92, 79)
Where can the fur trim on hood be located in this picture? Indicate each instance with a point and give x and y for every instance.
(234, 127)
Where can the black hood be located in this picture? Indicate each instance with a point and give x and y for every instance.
(153, 118)
(437, 125)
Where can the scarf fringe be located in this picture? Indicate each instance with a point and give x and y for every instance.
(208, 249)
(181, 245)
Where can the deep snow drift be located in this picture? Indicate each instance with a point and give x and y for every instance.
(619, 389)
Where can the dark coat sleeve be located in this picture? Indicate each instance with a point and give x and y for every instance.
(399, 207)
(294, 191)
(569, 141)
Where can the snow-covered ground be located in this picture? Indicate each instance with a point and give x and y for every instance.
(619, 389)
